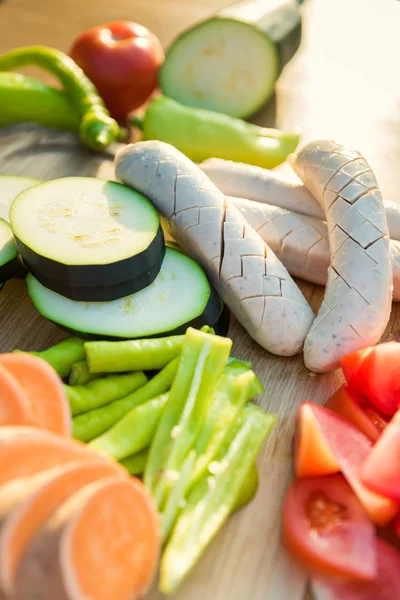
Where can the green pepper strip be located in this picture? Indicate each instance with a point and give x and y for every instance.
(212, 500)
(102, 391)
(93, 423)
(176, 499)
(63, 355)
(202, 361)
(133, 355)
(80, 374)
(135, 464)
(248, 490)
(97, 129)
(134, 432)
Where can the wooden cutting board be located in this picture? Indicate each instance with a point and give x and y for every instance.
(246, 560)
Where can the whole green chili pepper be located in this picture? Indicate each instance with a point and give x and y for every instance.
(93, 423)
(133, 355)
(80, 374)
(135, 463)
(25, 99)
(134, 432)
(202, 361)
(202, 134)
(63, 355)
(97, 129)
(102, 391)
(212, 500)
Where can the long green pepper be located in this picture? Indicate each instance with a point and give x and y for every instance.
(63, 355)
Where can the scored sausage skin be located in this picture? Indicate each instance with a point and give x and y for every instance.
(301, 242)
(248, 276)
(358, 295)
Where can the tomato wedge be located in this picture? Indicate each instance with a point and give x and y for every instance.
(385, 587)
(396, 525)
(351, 363)
(351, 405)
(349, 447)
(326, 528)
(378, 377)
(381, 470)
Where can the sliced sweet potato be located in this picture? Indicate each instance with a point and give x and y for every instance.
(45, 493)
(312, 454)
(102, 543)
(44, 392)
(25, 451)
(14, 408)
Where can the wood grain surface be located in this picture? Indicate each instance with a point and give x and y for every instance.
(343, 84)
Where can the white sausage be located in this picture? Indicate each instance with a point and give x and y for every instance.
(263, 185)
(356, 306)
(248, 276)
(301, 242)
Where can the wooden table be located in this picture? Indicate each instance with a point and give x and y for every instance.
(343, 84)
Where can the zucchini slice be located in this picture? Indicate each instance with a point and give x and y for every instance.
(10, 265)
(88, 239)
(10, 187)
(180, 296)
(230, 62)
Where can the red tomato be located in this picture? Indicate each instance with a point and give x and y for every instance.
(378, 377)
(350, 448)
(396, 525)
(381, 470)
(351, 363)
(122, 60)
(351, 405)
(385, 587)
(326, 528)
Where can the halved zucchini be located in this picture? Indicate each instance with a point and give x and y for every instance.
(180, 296)
(88, 239)
(10, 187)
(10, 265)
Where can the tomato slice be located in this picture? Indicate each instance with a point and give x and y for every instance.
(385, 587)
(381, 471)
(312, 453)
(396, 525)
(351, 363)
(349, 447)
(351, 405)
(326, 528)
(378, 377)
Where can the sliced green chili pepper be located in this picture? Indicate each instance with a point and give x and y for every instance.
(133, 355)
(202, 361)
(80, 374)
(212, 500)
(25, 99)
(176, 499)
(202, 134)
(134, 432)
(93, 423)
(136, 463)
(248, 490)
(63, 355)
(99, 392)
(97, 129)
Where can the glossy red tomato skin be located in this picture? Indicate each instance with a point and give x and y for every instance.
(344, 545)
(351, 363)
(385, 587)
(122, 59)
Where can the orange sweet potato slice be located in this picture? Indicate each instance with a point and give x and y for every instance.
(43, 496)
(102, 543)
(14, 408)
(44, 392)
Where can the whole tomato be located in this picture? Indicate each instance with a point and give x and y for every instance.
(122, 60)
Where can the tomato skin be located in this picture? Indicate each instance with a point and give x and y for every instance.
(351, 363)
(345, 542)
(122, 59)
(352, 406)
(385, 587)
(381, 470)
(378, 377)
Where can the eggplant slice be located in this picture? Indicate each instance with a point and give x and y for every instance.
(179, 297)
(10, 264)
(88, 239)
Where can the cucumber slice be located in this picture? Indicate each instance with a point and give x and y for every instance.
(10, 265)
(88, 239)
(230, 62)
(180, 296)
(10, 187)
